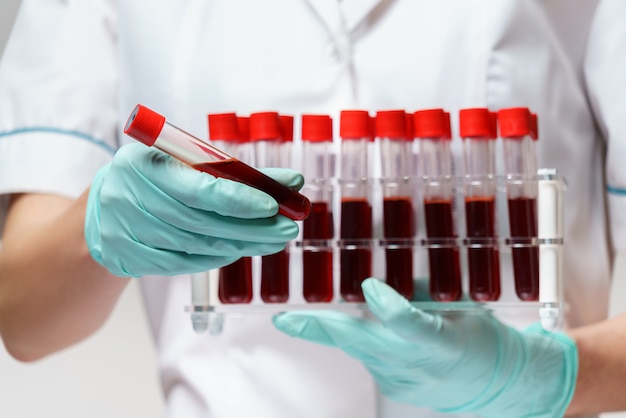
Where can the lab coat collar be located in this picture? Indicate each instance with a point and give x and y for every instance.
(346, 13)
(355, 11)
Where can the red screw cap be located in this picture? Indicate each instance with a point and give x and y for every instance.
(431, 123)
(476, 123)
(317, 128)
(243, 127)
(410, 130)
(264, 125)
(448, 134)
(355, 124)
(144, 125)
(534, 133)
(391, 124)
(223, 126)
(515, 122)
(286, 127)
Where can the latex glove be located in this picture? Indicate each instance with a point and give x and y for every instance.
(454, 363)
(148, 213)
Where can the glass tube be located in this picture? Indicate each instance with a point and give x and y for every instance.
(399, 225)
(520, 165)
(152, 129)
(235, 279)
(432, 128)
(266, 135)
(356, 210)
(318, 229)
(476, 129)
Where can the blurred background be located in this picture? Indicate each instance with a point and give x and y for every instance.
(113, 373)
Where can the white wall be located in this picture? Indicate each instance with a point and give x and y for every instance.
(112, 374)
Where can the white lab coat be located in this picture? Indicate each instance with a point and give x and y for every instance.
(73, 70)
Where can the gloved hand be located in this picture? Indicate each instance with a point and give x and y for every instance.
(449, 362)
(148, 213)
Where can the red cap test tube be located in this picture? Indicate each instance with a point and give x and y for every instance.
(318, 229)
(478, 133)
(152, 129)
(224, 131)
(432, 130)
(234, 280)
(398, 212)
(266, 135)
(518, 132)
(356, 210)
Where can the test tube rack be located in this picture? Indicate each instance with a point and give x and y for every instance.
(208, 312)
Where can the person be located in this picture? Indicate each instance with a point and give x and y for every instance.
(84, 210)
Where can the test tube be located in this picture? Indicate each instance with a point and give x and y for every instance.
(318, 229)
(234, 279)
(432, 130)
(476, 129)
(286, 143)
(356, 210)
(520, 165)
(266, 134)
(224, 131)
(152, 129)
(398, 211)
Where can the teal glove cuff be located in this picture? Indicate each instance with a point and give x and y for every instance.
(542, 374)
(92, 222)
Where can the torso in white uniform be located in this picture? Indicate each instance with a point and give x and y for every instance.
(188, 58)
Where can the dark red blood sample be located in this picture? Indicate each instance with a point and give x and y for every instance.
(483, 254)
(290, 203)
(356, 254)
(523, 224)
(318, 274)
(317, 258)
(235, 282)
(399, 228)
(275, 277)
(443, 256)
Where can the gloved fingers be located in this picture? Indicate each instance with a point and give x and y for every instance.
(285, 176)
(161, 262)
(158, 210)
(364, 340)
(243, 237)
(192, 187)
(397, 314)
(167, 238)
(421, 290)
(449, 333)
(274, 229)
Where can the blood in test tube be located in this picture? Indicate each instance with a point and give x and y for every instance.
(318, 228)
(477, 131)
(519, 133)
(433, 133)
(266, 133)
(235, 279)
(235, 282)
(152, 129)
(356, 210)
(398, 211)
